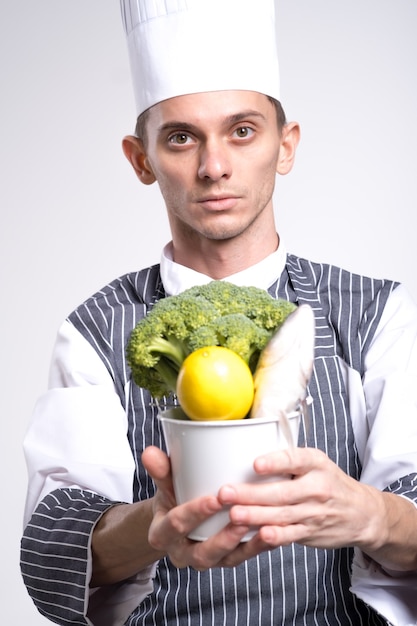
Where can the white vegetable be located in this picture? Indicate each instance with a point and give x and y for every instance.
(285, 367)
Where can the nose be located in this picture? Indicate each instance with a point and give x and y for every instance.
(214, 161)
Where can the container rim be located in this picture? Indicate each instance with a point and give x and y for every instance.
(166, 416)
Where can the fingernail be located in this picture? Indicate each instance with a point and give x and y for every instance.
(241, 530)
(239, 515)
(261, 464)
(227, 494)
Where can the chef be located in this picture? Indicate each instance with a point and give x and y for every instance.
(105, 542)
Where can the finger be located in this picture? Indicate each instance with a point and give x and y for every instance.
(244, 551)
(276, 493)
(156, 463)
(267, 515)
(291, 461)
(308, 523)
(275, 536)
(211, 552)
(310, 515)
(170, 527)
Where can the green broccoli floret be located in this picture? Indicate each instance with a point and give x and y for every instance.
(236, 332)
(242, 335)
(218, 313)
(160, 341)
(224, 296)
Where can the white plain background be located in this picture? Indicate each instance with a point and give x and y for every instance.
(74, 217)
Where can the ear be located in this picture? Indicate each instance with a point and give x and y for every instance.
(290, 137)
(135, 153)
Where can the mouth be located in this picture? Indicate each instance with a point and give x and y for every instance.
(218, 202)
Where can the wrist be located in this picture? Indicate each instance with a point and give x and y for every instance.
(391, 536)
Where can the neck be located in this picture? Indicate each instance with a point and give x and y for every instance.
(221, 258)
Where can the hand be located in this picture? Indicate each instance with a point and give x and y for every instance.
(320, 506)
(171, 524)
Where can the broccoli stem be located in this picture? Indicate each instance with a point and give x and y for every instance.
(168, 373)
(171, 348)
(172, 352)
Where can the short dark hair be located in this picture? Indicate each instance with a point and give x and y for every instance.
(141, 122)
(281, 117)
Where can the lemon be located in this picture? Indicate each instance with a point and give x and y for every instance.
(215, 383)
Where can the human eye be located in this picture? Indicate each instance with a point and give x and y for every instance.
(179, 139)
(243, 132)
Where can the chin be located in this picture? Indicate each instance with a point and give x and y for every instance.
(223, 232)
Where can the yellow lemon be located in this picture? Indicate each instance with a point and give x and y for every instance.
(215, 383)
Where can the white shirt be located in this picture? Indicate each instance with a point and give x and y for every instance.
(177, 278)
(101, 459)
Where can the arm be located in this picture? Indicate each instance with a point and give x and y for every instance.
(120, 545)
(323, 507)
(377, 515)
(76, 448)
(129, 537)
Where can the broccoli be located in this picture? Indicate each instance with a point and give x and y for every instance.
(236, 332)
(218, 313)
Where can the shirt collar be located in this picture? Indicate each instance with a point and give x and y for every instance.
(177, 278)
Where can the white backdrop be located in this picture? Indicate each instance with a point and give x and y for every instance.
(73, 215)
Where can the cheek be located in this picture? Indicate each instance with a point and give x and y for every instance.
(263, 162)
(264, 174)
(272, 163)
(172, 176)
(173, 189)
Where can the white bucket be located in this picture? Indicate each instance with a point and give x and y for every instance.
(205, 455)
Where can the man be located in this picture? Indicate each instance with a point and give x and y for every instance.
(105, 541)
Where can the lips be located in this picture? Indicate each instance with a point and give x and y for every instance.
(218, 203)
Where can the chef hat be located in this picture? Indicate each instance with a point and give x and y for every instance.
(179, 47)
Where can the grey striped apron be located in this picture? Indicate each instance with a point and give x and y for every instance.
(291, 585)
(294, 584)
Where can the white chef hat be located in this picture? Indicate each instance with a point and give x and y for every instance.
(179, 47)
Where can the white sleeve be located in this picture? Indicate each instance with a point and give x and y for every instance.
(389, 384)
(77, 437)
(388, 442)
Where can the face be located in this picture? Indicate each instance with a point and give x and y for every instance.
(215, 157)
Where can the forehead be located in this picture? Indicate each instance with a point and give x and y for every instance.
(212, 107)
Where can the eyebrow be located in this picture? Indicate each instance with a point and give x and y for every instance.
(230, 120)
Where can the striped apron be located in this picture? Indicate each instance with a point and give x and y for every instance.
(289, 585)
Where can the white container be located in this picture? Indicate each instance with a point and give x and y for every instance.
(209, 454)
